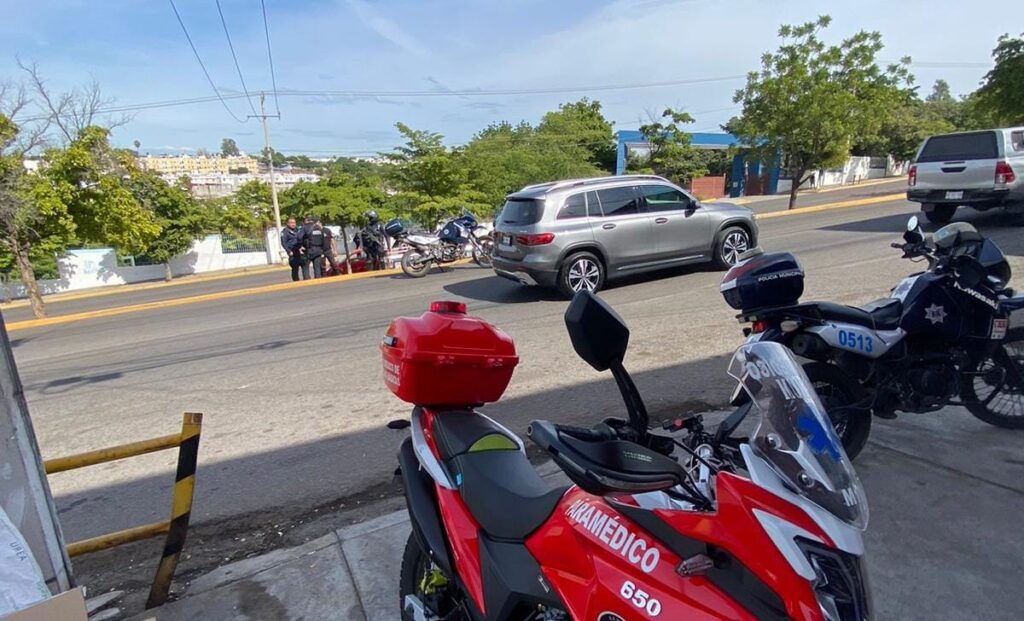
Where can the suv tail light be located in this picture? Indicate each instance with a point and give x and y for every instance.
(912, 176)
(1004, 174)
(535, 239)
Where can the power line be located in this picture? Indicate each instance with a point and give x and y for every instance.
(270, 57)
(201, 64)
(235, 58)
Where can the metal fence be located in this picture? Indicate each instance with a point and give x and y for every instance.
(246, 242)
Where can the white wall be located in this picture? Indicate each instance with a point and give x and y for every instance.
(89, 268)
(855, 170)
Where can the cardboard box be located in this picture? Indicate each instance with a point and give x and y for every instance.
(68, 606)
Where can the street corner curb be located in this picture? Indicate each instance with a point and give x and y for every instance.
(247, 568)
(371, 526)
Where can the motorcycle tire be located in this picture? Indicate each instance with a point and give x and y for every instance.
(1009, 391)
(837, 390)
(412, 268)
(483, 250)
(444, 601)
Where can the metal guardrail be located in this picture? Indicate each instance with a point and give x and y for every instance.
(176, 528)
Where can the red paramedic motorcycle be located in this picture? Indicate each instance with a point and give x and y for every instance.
(670, 523)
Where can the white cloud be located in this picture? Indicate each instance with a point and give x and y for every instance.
(387, 28)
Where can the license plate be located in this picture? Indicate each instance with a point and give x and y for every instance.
(999, 329)
(954, 196)
(505, 240)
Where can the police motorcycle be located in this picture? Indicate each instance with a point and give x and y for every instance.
(942, 337)
(451, 243)
(670, 522)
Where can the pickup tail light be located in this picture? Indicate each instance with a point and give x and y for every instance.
(1004, 174)
(912, 176)
(535, 239)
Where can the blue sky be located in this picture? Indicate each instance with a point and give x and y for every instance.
(137, 52)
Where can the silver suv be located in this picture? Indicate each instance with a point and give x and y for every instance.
(981, 169)
(577, 234)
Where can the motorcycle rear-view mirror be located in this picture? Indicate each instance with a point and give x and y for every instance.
(599, 336)
(913, 234)
(969, 271)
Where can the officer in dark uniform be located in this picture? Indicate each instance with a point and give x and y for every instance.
(291, 241)
(373, 240)
(316, 244)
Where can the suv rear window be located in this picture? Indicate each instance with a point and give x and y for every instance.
(521, 211)
(618, 201)
(975, 146)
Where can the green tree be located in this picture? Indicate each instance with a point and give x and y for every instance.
(503, 158)
(88, 176)
(228, 147)
(580, 124)
(909, 121)
(174, 211)
(249, 209)
(432, 180)
(1002, 90)
(672, 155)
(811, 101)
(34, 221)
(279, 158)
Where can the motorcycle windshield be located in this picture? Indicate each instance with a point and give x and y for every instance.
(794, 434)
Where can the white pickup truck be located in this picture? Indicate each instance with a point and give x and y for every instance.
(980, 169)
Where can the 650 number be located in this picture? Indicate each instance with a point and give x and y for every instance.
(852, 340)
(640, 598)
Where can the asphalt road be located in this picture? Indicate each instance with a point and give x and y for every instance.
(290, 384)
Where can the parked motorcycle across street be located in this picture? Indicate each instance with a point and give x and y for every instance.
(943, 337)
(449, 245)
(670, 523)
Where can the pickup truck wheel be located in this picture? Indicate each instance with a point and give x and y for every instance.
(939, 214)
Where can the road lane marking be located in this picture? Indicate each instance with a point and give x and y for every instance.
(206, 297)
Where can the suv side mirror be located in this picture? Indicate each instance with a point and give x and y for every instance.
(599, 336)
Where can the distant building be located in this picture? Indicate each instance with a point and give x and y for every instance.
(198, 165)
(216, 185)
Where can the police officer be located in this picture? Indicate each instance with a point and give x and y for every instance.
(291, 241)
(315, 243)
(330, 248)
(373, 240)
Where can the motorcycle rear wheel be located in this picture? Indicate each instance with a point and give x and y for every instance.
(417, 572)
(413, 264)
(483, 250)
(997, 397)
(836, 391)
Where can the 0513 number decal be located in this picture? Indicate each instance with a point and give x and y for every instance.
(640, 599)
(853, 340)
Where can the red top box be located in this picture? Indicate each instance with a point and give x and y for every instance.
(446, 358)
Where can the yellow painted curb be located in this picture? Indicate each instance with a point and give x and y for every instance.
(885, 198)
(207, 297)
(743, 200)
(55, 298)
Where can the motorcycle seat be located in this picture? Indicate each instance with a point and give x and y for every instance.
(421, 239)
(881, 314)
(496, 480)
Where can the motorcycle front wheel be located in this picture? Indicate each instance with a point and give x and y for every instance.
(482, 251)
(414, 265)
(995, 394)
(426, 583)
(839, 394)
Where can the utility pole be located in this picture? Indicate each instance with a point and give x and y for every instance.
(270, 160)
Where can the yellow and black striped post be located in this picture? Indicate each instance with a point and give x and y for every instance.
(181, 508)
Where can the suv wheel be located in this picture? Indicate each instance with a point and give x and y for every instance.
(732, 242)
(581, 271)
(940, 214)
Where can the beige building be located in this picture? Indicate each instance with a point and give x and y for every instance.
(196, 165)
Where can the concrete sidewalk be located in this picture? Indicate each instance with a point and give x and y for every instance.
(946, 493)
